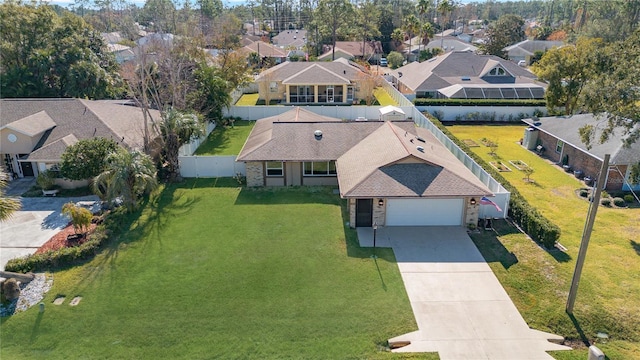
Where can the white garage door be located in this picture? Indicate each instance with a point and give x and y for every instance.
(424, 212)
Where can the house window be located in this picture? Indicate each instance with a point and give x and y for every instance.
(275, 168)
(559, 146)
(497, 71)
(320, 168)
(273, 86)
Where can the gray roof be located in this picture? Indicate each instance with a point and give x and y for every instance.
(566, 128)
(290, 37)
(529, 47)
(392, 161)
(311, 72)
(73, 119)
(450, 68)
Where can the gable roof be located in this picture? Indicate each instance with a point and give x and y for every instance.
(263, 49)
(566, 128)
(65, 121)
(312, 72)
(397, 160)
(450, 68)
(529, 47)
(290, 37)
(355, 48)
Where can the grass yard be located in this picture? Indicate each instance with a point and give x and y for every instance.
(248, 100)
(538, 281)
(226, 140)
(208, 270)
(383, 97)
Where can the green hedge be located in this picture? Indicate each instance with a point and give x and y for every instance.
(538, 227)
(66, 257)
(479, 102)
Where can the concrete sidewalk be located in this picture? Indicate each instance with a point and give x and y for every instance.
(461, 309)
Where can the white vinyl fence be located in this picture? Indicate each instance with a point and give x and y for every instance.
(210, 166)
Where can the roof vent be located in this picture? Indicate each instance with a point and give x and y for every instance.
(420, 148)
(420, 139)
(318, 134)
(466, 78)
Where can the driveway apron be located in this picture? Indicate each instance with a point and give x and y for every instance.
(461, 309)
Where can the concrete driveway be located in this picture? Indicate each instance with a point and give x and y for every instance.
(28, 229)
(461, 309)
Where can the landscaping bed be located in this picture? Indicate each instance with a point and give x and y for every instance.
(518, 164)
(59, 240)
(500, 166)
(470, 143)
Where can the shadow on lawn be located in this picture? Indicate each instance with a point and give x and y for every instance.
(353, 245)
(491, 248)
(635, 245)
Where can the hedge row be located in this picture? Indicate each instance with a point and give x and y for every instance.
(479, 102)
(66, 257)
(538, 227)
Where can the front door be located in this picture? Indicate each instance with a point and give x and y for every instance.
(364, 212)
(27, 168)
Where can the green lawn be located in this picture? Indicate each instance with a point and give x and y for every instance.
(226, 140)
(383, 97)
(608, 299)
(248, 100)
(209, 270)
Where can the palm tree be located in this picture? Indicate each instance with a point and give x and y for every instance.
(411, 25)
(427, 33)
(423, 7)
(177, 129)
(398, 37)
(129, 174)
(444, 8)
(8, 205)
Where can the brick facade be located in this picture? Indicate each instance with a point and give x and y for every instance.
(352, 213)
(379, 212)
(255, 174)
(471, 212)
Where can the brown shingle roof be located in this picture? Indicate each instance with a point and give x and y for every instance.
(287, 70)
(33, 124)
(393, 162)
(83, 119)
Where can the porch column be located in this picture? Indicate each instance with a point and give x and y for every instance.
(287, 94)
(344, 93)
(315, 94)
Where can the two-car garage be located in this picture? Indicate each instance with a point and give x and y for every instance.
(424, 212)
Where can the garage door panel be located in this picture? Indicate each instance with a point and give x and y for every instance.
(424, 212)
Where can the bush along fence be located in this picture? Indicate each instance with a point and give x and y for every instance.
(479, 102)
(538, 227)
(69, 256)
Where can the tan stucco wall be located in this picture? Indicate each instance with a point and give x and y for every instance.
(264, 89)
(23, 145)
(293, 172)
(274, 181)
(320, 180)
(255, 174)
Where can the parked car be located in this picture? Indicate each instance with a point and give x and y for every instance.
(522, 63)
(383, 62)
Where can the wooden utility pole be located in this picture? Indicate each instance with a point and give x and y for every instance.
(586, 234)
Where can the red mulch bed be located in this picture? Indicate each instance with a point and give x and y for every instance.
(59, 240)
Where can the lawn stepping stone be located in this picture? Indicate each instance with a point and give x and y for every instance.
(59, 300)
(75, 301)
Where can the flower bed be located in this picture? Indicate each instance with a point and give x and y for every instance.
(518, 164)
(470, 143)
(500, 166)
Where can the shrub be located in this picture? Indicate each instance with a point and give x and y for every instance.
(46, 180)
(80, 217)
(478, 102)
(619, 202)
(628, 198)
(604, 194)
(584, 193)
(538, 227)
(605, 202)
(10, 290)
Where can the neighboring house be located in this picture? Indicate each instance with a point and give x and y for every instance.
(296, 39)
(265, 50)
(311, 82)
(560, 139)
(392, 173)
(112, 37)
(350, 50)
(467, 75)
(447, 43)
(525, 50)
(156, 39)
(122, 53)
(35, 132)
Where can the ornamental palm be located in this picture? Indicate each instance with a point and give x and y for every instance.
(177, 129)
(8, 205)
(128, 175)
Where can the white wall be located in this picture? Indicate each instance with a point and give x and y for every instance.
(210, 166)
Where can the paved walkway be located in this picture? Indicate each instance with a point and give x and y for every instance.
(39, 219)
(461, 309)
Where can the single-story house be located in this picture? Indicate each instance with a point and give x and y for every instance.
(265, 50)
(350, 50)
(560, 138)
(467, 75)
(290, 39)
(311, 82)
(35, 132)
(525, 50)
(392, 173)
